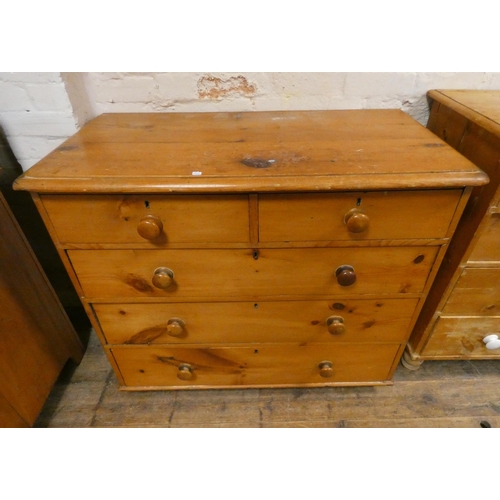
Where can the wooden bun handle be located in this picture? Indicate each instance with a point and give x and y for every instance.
(335, 325)
(345, 275)
(185, 372)
(175, 327)
(150, 227)
(326, 369)
(163, 277)
(356, 220)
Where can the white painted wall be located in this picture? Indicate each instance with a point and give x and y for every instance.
(38, 111)
(35, 114)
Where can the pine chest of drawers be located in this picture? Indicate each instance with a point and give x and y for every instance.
(464, 309)
(252, 249)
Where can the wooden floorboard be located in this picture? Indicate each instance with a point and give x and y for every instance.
(441, 394)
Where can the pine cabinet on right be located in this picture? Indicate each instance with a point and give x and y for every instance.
(461, 318)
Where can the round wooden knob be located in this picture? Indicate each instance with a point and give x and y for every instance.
(185, 372)
(175, 327)
(356, 220)
(326, 369)
(150, 227)
(163, 278)
(335, 325)
(345, 275)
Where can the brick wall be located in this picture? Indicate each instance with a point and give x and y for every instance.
(35, 114)
(39, 110)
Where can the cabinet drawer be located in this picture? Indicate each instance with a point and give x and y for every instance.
(487, 247)
(463, 337)
(239, 273)
(476, 293)
(253, 366)
(376, 215)
(119, 218)
(248, 322)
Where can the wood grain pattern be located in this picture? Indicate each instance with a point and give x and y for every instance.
(309, 151)
(479, 106)
(468, 121)
(487, 247)
(442, 394)
(383, 320)
(248, 366)
(476, 293)
(214, 249)
(223, 273)
(186, 219)
(36, 336)
(317, 217)
(462, 338)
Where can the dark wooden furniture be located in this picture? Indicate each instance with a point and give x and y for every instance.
(252, 249)
(36, 296)
(462, 321)
(36, 336)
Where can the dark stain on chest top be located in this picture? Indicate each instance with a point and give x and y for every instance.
(257, 162)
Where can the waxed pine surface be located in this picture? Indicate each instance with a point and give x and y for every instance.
(440, 394)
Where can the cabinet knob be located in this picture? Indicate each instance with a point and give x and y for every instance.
(492, 342)
(185, 372)
(335, 325)
(356, 220)
(175, 327)
(150, 227)
(326, 369)
(163, 277)
(345, 275)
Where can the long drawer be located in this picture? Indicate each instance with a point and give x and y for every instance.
(487, 247)
(476, 293)
(161, 219)
(263, 366)
(356, 216)
(463, 337)
(237, 273)
(381, 320)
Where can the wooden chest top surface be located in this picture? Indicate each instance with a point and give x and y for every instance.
(482, 106)
(276, 151)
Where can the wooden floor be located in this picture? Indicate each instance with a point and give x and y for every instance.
(440, 394)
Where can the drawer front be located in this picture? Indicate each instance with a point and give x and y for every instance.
(476, 293)
(487, 247)
(384, 320)
(263, 365)
(121, 219)
(239, 273)
(463, 337)
(356, 216)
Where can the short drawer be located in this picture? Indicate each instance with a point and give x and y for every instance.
(148, 220)
(462, 337)
(383, 320)
(356, 216)
(487, 247)
(476, 293)
(239, 273)
(264, 365)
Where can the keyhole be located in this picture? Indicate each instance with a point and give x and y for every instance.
(146, 204)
